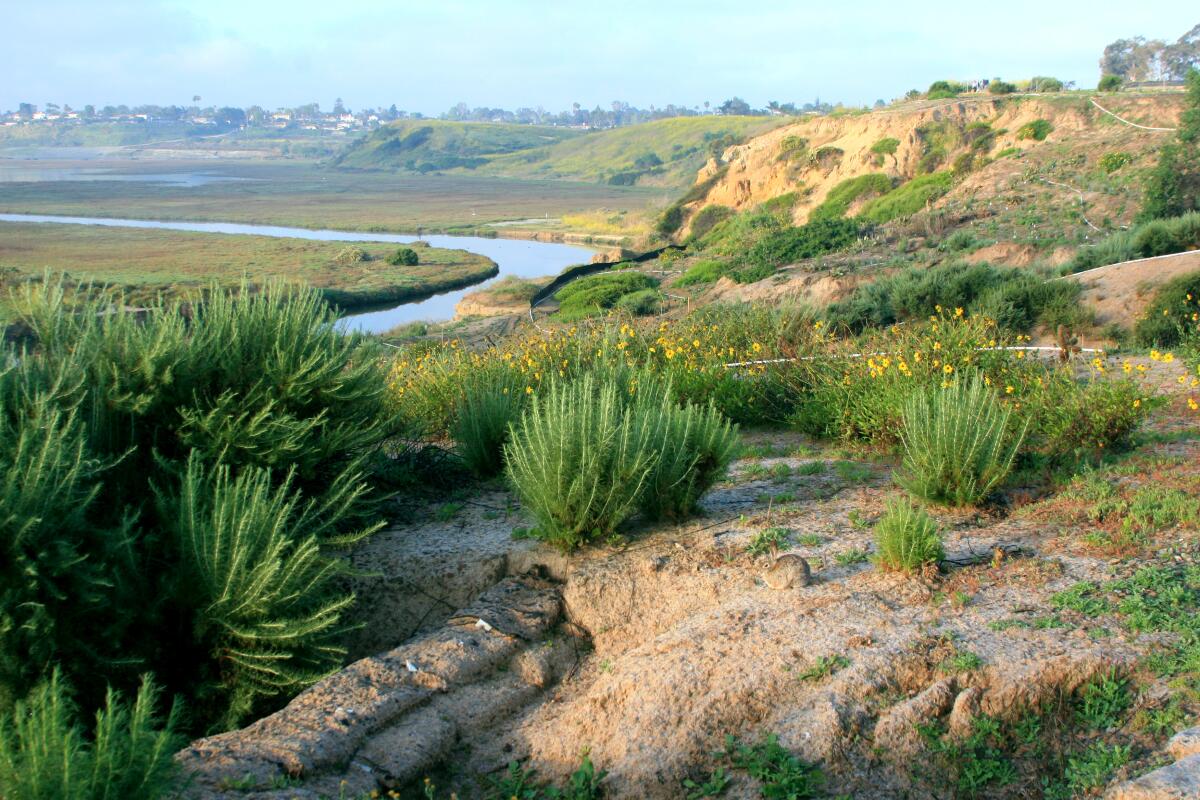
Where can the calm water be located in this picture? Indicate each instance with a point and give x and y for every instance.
(517, 257)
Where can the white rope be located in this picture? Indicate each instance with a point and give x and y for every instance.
(1125, 264)
(1082, 202)
(1127, 122)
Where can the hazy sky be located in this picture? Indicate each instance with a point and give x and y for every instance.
(426, 56)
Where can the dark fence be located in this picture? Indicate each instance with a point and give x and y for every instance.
(571, 273)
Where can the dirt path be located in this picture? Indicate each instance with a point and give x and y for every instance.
(1121, 292)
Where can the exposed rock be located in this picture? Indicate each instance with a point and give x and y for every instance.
(897, 727)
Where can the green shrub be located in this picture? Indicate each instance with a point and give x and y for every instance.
(958, 442)
(261, 387)
(1013, 298)
(587, 453)
(45, 754)
(707, 217)
(595, 293)
(1044, 83)
(840, 197)
(793, 147)
(1170, 317)
(998, 86)
(1069, 419)
(491, 401)
(1156, 237)
(404, 257)
(695, 447)
(1110, 83)
(942, 90)
(793, 244)
(707, 271)
(641, 303)
(1111, 162)
(1173, 187)
(670, 221)
(906, 538)
(269, 607)
(886, 146)
(1038, 130)
(908, 198)
(580, 461)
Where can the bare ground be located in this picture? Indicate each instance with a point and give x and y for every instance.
(650, 652)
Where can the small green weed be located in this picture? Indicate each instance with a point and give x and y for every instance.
(781, 774)
(768, 541)
(1101, 703)
(823, 667)
(713, 786)
(853, 556)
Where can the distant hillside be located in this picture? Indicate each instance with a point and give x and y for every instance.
(1018, 165)
(661, 153)
(431, 145)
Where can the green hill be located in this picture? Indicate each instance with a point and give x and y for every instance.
(665, 152)
(431, 145)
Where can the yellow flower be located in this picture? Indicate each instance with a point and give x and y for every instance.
(1192, 404)
(528, 390)
(958, 312)
(947, 369)
(1168, 358)
(1137, 403)
(1127, 367)
(756, 347)
(937, 345)
(1009, 390)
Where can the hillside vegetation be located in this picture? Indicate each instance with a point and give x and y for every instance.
(665, 152)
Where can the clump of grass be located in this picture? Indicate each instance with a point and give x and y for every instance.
(695, 446)
(958, 443)
(906, 538)
(1037, 130)
(823, 667)
(579, 461)
(490, 403)
(780, 773)
(588, 453)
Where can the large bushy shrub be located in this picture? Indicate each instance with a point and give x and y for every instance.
(707, 218)
(148, 442)
(404, 257)
(959, 443)
(793, 244)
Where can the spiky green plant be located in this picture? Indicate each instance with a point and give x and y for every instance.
(490, 403)
(45, 754)
(251, 412)
(695, 447)
(959, 443)
(906, 538)
(54, 587)
(267, 605)
(579, 461)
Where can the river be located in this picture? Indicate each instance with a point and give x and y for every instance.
(518, 257)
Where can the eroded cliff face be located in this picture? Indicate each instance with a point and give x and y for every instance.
(966, 136)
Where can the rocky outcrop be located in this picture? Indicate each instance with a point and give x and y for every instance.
(1178, 781)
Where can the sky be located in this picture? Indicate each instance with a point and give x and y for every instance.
(427, 56)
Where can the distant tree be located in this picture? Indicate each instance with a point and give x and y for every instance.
(735, 106)
(338, 107)
(647, 161)
(1184, 55)
(1044, 83)
(256, 115)
(26, 110)
(230, 117)
(1174, 186)
(89, 111)
(998, 86)
(1110, 83)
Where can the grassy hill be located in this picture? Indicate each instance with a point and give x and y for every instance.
(429, 145)
(661, 153)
